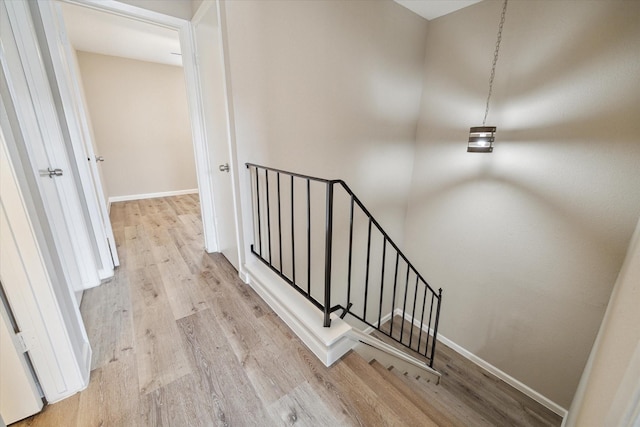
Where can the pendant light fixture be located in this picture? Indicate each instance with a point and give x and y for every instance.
(481, 137)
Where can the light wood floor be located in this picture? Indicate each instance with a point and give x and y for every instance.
(467, 394)
(179, 340)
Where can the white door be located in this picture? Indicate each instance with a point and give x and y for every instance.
(212, 86)
(42, 231)
(33, 100)
(19, 397)
(42, 304)
(66, 72)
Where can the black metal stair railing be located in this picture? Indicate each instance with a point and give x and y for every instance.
(324, 257)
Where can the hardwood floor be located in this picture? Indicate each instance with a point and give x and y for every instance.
(468, 394)
(179, 340)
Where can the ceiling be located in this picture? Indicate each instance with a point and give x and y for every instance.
(94, 31)
(431, 9)
(90, 30)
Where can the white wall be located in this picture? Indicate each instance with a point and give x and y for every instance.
(330, 89)
(527, 242)
(610, 381)
(141, 124)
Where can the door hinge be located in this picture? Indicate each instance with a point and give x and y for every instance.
(22, 342)
(25, 341)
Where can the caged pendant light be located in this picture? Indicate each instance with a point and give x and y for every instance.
(481, 137)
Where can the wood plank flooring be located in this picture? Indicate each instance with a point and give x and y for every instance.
(468, 394)
(179, 340)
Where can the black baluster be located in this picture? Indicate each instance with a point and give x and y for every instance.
(435, 329)
(413, 312)
(293, 238)
(384, 253)
(327, 255)
(424, 300)
(308, 238)
(404, 306)
(279, 222)
(426, 348)
(366, 280)
(393, 300)
(259, 220)
(350, 253)
(266, 176)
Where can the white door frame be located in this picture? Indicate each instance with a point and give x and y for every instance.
(203, 167)
(19, 394)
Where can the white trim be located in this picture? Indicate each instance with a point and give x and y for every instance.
(132, 12)
(328, 344)
(369, 329)
(202, 9)
(114, 199)
(518, 385)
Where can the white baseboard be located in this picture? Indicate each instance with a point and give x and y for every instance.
(384, 319)
(114, 199)
(86, 367)
(330, 344)
(518, 385)
(105, 273)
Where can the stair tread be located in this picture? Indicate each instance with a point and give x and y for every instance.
(417, 398)
(403, 408)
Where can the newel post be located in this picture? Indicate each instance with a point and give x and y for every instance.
(327, 255)
(435, 329)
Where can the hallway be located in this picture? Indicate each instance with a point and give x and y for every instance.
(179, 340)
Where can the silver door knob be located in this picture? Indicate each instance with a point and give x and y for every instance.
(99, 159)
(224, 168)
(51, 172)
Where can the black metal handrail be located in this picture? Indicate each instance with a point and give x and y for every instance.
(417, 292)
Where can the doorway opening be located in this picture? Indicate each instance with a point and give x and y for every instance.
(208, 96)
(133, 88)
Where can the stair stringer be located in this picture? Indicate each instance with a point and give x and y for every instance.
(371, 348)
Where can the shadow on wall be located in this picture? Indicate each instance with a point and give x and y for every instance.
(521, 154)
(580, 120)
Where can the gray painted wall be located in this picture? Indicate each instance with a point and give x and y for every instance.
(527, 242)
